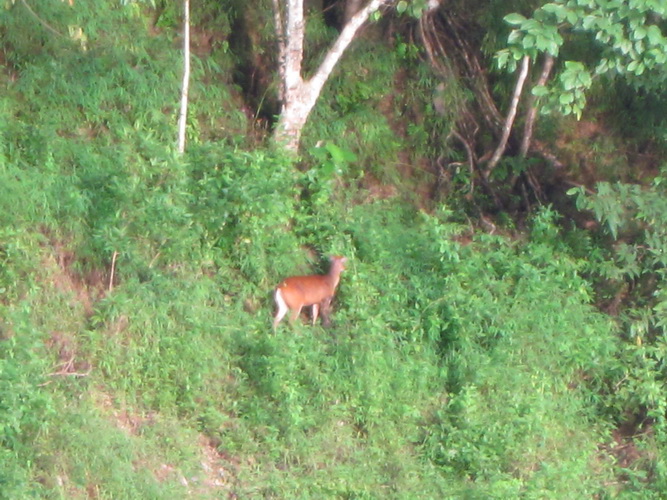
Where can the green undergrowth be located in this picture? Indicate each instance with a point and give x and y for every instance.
(453, 369)
(137, 358)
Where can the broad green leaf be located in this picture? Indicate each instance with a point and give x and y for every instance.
(539, 91)
(515, 19)
(340, 155)
(514, 36)
(640, 33)
(566, 98)
(625, 46)
(543, 43)
(528, 42)
(572, 17)
(502, 56)
(602, 67)
(589, 22)
(603, 37)
(534, 27)
(560, 11)
(584, 77)
(655, 35)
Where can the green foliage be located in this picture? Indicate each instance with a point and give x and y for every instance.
(135, 339)
(27, 408)
(416, 357)
(100, 445)
(498, 306)
(642, 120)
(244, 202)
(628, 209)
(358, 105)
(633, 271)
(414, 8)
(629, 42)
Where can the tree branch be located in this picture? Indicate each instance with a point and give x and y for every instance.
(511, 115)
(435, 50)
(342, 42)
(300, 95)
(475, 73)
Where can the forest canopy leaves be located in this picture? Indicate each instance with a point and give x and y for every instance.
(630, 43)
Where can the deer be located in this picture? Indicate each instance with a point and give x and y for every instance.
(297, 292)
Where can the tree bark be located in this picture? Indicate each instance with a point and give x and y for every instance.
(299, 95)
(282, 44)
(351, 8)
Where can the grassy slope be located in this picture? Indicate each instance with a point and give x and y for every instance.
(453, 369)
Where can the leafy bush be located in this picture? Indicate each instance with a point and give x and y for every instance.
(245, 202)
(27, 408)
(632, 273)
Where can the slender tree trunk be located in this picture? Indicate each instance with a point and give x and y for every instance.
(531, 115)
(299, 95)
(183, 115)
(511, 115)
(281, 38)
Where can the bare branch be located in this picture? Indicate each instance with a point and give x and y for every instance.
(551, 158)
(476, 74)
(435, 50)
(65, 370)
(350, 9)
(450, 54)
(343, 41)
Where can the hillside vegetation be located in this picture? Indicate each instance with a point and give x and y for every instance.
(476, 352)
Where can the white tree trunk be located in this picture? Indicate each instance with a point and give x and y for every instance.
(282, 44)
(183, 115)
(511, 114)
(299, 95)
